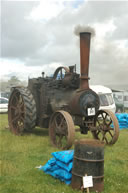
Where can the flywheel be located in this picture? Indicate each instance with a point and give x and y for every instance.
(21, 110)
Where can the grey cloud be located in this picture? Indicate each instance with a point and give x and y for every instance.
(121, 24)
(39, 43)
(99, 11)
(21, 37)
(109, 65)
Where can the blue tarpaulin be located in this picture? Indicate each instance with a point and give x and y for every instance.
(122, 120)
(60, 165)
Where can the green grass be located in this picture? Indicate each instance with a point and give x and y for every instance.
(21, 154)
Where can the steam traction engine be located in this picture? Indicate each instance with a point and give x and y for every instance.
(61, 103)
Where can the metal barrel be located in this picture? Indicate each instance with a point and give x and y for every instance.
(88, 159)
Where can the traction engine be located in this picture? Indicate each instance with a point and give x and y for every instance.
(64, 103)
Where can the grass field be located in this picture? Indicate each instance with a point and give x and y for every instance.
(21, 154)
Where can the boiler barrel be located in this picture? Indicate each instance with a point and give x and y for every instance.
(88, 159)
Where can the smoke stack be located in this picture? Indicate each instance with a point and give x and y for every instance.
(84, 59)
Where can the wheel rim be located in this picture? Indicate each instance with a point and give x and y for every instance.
(61, 130)
(106, 127)
(16, 112)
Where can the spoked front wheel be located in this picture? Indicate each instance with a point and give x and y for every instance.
(106, 127)
(61, 130)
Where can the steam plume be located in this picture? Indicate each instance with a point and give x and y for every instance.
(80, 28)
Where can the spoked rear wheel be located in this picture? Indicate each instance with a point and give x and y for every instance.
(106, 127)
(21, 110)
(61, 130)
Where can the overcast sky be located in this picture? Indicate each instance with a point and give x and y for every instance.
(39, 36)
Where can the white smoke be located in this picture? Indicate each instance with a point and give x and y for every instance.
(80, 28)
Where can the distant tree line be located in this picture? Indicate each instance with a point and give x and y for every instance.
(5, 86)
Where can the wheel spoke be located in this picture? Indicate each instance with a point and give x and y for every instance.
(98, 132)
(99, 122)
(13, 107)
(103, 137)
(60, 141)
(61, 73)
(105, 116)
(60, 130)
(106, 140)
(21, 111)
(16, 99)
(15, 118)
(20, 126)
(110, 133)
(105, 120)
(55, 122)
(21, 104)
(106, 123)
(62, 121)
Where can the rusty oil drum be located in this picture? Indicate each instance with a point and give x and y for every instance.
(88, 159)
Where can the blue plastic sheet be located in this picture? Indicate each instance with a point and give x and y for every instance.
(50, 166)
(122, 120)
(60, 166)
(67, 167)
(63, 174)
(64, 156)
